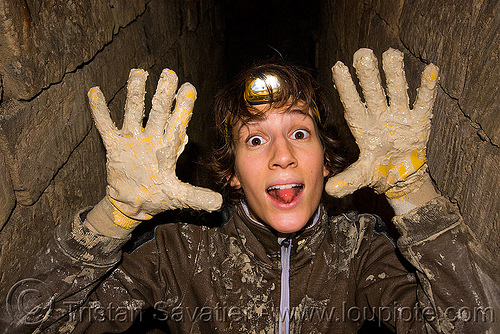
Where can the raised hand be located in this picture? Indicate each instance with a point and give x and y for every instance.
(141, 161)
(392, 138)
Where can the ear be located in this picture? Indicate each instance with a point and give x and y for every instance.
(326, 171)
(234, 181)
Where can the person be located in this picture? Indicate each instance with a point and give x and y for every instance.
(277, 262)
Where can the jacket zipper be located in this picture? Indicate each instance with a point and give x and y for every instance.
(284, 315)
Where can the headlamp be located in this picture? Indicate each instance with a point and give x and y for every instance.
(259, 90)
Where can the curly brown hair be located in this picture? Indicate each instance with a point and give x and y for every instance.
(231, 107)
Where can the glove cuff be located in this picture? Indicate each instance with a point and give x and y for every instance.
(108, 220)
(129, 211)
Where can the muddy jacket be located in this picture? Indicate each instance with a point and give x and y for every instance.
(241, 278)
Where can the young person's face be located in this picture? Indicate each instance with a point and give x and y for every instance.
(280, 166)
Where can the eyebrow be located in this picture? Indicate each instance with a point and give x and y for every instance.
(300, 111)
(305, 113)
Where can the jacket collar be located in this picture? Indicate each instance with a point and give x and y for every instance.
(260, 242)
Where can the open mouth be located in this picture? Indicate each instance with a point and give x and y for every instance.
(285, 193)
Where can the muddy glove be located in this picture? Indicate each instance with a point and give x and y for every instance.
(141, 161)
(392, 138)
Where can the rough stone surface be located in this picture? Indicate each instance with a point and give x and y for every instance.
(24, 234)
(461, 38)
(42, 133)
(52, 161)
(479, 99)
(467, 170)
(79, 183)
(7, 197)
(44, 40)
(81, 180)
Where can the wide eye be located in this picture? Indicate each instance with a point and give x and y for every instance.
(255, 141)
(300, 134)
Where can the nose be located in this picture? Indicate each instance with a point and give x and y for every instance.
(282, 154)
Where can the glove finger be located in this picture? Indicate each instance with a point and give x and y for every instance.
(427, 92)
(366, 66)
(162, 103)
(348, 181)
(347, 92)
(197, 198)
(102, 118)
(178, 121)
(134, 106)
(392, 62)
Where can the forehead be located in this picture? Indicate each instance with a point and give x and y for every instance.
(261, 111)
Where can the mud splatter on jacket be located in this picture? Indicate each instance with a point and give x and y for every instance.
(228, 279)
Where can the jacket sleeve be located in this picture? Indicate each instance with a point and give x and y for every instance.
(73, 285)
(445, 290)
(455, 287)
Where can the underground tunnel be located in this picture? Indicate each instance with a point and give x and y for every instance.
(52, 159)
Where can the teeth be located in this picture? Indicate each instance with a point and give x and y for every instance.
(284, 186)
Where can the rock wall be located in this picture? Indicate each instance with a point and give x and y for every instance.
(51, 53)
(461, 38)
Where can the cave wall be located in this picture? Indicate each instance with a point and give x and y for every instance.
(461, 38)
(52, 162)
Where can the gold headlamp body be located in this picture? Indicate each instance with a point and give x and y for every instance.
(260, 90)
